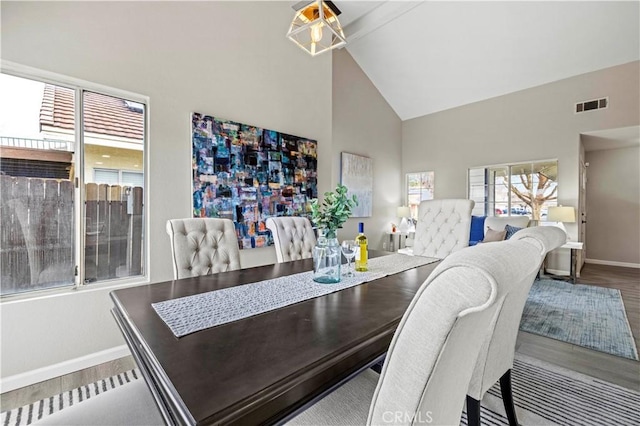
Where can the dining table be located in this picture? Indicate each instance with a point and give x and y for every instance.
(265, 368)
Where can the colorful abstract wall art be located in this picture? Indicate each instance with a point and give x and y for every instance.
(357, 175)
(248, 174)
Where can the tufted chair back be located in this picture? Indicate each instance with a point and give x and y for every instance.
(293, 237)
(427, 370)
(203, 246)
(443, 227)
(546, 238)
(496, 355)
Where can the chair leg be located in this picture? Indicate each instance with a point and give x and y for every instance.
(507, 398)
(378, 367)
(473, 412)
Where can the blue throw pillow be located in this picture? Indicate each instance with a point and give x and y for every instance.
(477, 228)
(510, 231)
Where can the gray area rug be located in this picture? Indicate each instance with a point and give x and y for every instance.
(588, 316)
(544, 395)
(28, 414)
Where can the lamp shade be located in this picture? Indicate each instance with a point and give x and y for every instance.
(403, 211)
(315, 27)
(561, 214)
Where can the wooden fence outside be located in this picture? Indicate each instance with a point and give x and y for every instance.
(37, 233)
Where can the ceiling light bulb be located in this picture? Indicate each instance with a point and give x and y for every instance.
(316, 33)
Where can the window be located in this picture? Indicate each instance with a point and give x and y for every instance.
(62, 226)
(419, 188)
(118, 177)
(516, 189)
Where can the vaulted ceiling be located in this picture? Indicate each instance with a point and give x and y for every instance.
(426, 57)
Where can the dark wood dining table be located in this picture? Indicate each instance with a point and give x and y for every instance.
(265, 368)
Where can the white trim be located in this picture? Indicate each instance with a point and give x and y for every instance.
(612, 263)
(79, 184)
(44, 76)
(513, 163)
(69, 290)
(56, 370)
(376, 18)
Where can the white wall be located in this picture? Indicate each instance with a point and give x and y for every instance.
(364, 124)
(191, 56)
(533, 124)
(227, 59)
(613, 205)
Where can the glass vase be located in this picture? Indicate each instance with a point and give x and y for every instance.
(326, 260)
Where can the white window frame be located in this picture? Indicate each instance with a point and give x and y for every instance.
(80, 86)
(119, 171)
(406, 188)
(508, 166)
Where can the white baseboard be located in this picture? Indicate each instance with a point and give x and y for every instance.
(612, 263)
(45, 373)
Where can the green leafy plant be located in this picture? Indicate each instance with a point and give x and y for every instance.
(334, 210)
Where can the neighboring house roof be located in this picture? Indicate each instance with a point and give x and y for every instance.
(103, 114)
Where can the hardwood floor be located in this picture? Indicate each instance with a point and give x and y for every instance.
(621, 371)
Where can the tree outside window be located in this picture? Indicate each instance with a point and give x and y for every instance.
(535, 185)
(419, 188)
(515, 189)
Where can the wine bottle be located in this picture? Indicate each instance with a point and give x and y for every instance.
(362, 255)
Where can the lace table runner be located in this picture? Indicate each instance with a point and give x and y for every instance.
(189, 314)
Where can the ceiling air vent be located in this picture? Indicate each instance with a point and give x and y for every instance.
(592, 105)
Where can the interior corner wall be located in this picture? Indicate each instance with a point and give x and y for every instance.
(533, 124)
(613, 205)
(226, 59)
(364, 124)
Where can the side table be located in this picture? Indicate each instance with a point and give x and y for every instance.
(573, 246)
(401, 237)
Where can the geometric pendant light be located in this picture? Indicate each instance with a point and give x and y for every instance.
(315, 27)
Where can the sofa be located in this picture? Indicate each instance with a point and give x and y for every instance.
(489, 228)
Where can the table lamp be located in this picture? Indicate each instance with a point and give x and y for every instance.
(560, 215)
(403, 212)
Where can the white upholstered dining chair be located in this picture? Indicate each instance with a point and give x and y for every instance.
(443, 227)
(203, 246)
(293, 236)
(434, 349)
(495, 360)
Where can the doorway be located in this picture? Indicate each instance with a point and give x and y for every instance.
(609, 191)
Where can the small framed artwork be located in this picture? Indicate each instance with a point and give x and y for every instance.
(356, 173)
